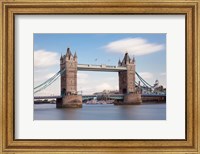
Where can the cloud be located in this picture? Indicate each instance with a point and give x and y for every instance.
(146, 75)
(53, 89)
(43, 77)
(43, 58)
(163, 74)
(134, 46)
(105, 86)
(82, 75)
(82, 79)
(91, 82)
(49, 75)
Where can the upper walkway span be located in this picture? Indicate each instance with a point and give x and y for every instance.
(106, 68)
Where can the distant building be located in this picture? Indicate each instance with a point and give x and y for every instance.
(157, 88)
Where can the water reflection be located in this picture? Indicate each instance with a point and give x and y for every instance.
(101, 112)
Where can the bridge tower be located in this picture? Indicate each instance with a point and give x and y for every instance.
(69, 80)
(127, 81)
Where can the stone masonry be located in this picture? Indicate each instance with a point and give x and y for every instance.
(127, 81)
(69, 80)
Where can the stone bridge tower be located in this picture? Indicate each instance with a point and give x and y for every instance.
(69, 80)
(127, 81)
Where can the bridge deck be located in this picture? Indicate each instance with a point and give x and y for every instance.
(47, 97)
(112, 95)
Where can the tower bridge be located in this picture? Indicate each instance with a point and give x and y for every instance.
(125, 69)
(129, 93)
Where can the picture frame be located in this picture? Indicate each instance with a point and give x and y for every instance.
(46, 7)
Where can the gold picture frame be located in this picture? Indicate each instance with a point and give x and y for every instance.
(9, 8)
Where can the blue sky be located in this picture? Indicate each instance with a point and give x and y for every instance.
(148, 49)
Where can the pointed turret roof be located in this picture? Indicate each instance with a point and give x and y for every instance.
(68, 52)
(126, 58)
(61, 57)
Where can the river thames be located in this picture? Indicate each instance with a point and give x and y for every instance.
(145, 111)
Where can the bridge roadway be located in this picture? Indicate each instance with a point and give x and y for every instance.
(90, 96)
(105, 68)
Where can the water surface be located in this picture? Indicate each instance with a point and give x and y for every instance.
(146, 111)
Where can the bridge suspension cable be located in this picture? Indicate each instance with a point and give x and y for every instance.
(143, 81)
(144, 84)
(48, 82)
(60, 72)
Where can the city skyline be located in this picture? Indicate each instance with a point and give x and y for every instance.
(149, 51)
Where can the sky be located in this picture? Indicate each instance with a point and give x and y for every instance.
(149, 51)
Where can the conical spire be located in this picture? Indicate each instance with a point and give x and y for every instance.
(68, 52)
(126, 58)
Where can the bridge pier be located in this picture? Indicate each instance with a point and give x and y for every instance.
(69, 101)
(72, 101)
(132, 98)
